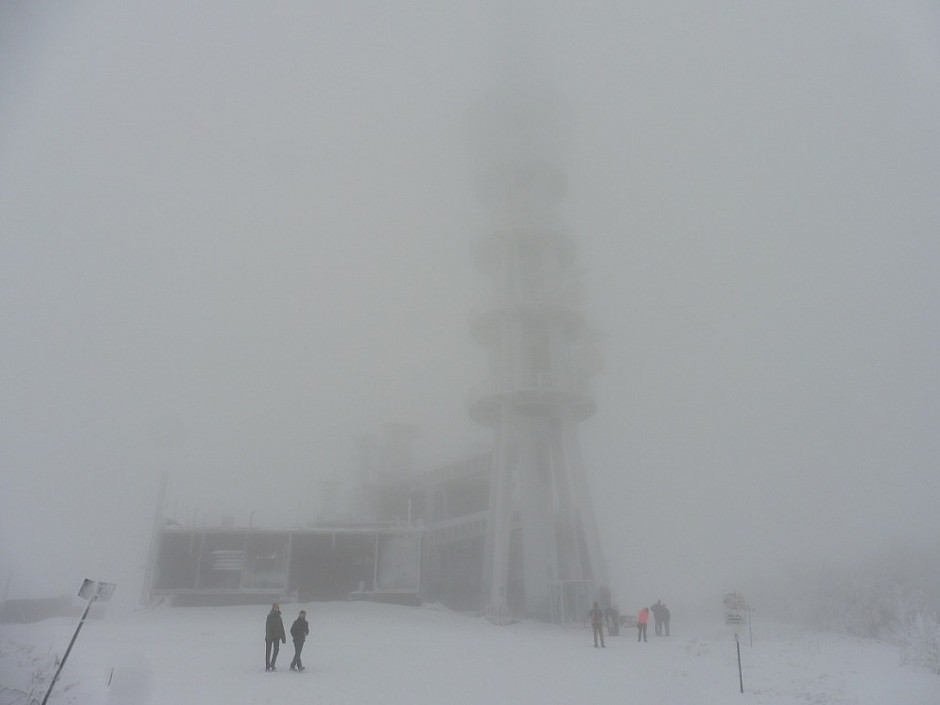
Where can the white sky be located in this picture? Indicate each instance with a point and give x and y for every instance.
(234, 235)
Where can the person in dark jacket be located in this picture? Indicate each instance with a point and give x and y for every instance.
(299, 631)
(658, 617)
(274, 636)
(597, 624)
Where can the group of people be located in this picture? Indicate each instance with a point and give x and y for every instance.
(274, 636)
(660, 621)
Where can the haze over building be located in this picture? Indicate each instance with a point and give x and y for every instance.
(512, 532)
(233, 240)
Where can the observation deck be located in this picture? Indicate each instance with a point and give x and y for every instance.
(555, 303)
(534, 393)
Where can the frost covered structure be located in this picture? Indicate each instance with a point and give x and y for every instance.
(509, 532)
(232, 565)
(542, 556)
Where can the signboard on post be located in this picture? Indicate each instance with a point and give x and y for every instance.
(735, 609)
(737, 614)
(93, 591)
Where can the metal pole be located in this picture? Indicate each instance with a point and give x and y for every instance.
(740, 674)
(156, 541)
(68, 650)
(375, 564)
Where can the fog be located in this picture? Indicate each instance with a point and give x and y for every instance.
(236, 235)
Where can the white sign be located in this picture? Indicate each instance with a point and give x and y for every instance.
(94, 590)
(735, 609)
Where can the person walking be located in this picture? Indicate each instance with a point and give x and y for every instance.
(299, 631)
(666, 620)
(597, 624)
(273, 637)
(641, 621)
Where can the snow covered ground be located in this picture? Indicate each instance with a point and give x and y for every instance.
(361, 653)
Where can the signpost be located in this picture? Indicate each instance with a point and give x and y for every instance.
(736, 610)
(737, 613)
(92, 591)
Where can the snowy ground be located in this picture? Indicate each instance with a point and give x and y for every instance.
(361, 653)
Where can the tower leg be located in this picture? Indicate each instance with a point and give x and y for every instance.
(583, 507)
(570, 563)
(537, 503)
(499, 528)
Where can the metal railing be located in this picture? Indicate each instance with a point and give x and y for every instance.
(556, 295)
(530, 382)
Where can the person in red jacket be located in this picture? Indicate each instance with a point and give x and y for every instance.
(641, 620)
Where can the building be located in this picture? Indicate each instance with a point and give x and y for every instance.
(510, 533)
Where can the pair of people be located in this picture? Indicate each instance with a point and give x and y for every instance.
(661, 618)
(274, 636)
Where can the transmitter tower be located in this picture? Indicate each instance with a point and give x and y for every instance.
(542, 556)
